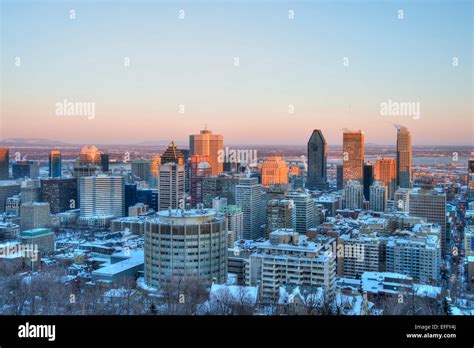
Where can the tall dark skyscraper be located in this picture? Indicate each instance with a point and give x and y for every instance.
(104, 162)
(317, 160)
(22, 169)
(404, 157)
(339, 176)
(60, 193)
(368, 178)
(4, 155)
(55, 164)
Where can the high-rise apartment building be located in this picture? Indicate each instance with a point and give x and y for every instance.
(102, 195)
(353, 195)
(404, 157)
(287, 259)
(418, 256)
(317, 161)
(279, 215)
(207, 144)
(360, 254)
(353, 155)
(378, 196)
(303, 211)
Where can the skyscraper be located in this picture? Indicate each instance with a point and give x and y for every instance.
(172, 155)
(89, 162)
(35, 215)
(104, 162)
(155, 170)
(208, 144)
(141, 169)
(368, 178)
(222, 186)
(274, 171)
(248, 198)
(386, 171)
(89, 156)
(55, 168)
(339, 176)
(403, 157)
(171, 186)
(60, 193)
(317, 161)
(102, 195)
(199, 170)
(4, 166)
(470, 179)
(23, 169)
(30, 190)
(8, 188)
(353, 155)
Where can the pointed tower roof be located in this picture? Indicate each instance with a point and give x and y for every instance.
(172, 155)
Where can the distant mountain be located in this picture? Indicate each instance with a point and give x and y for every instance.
(25, 141)
(159, 143)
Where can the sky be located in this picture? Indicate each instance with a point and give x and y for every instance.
(330, 67)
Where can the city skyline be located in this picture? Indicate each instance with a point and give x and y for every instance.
(162, 160)
(189, 77)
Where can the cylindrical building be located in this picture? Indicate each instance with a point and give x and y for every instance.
(185, 243)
